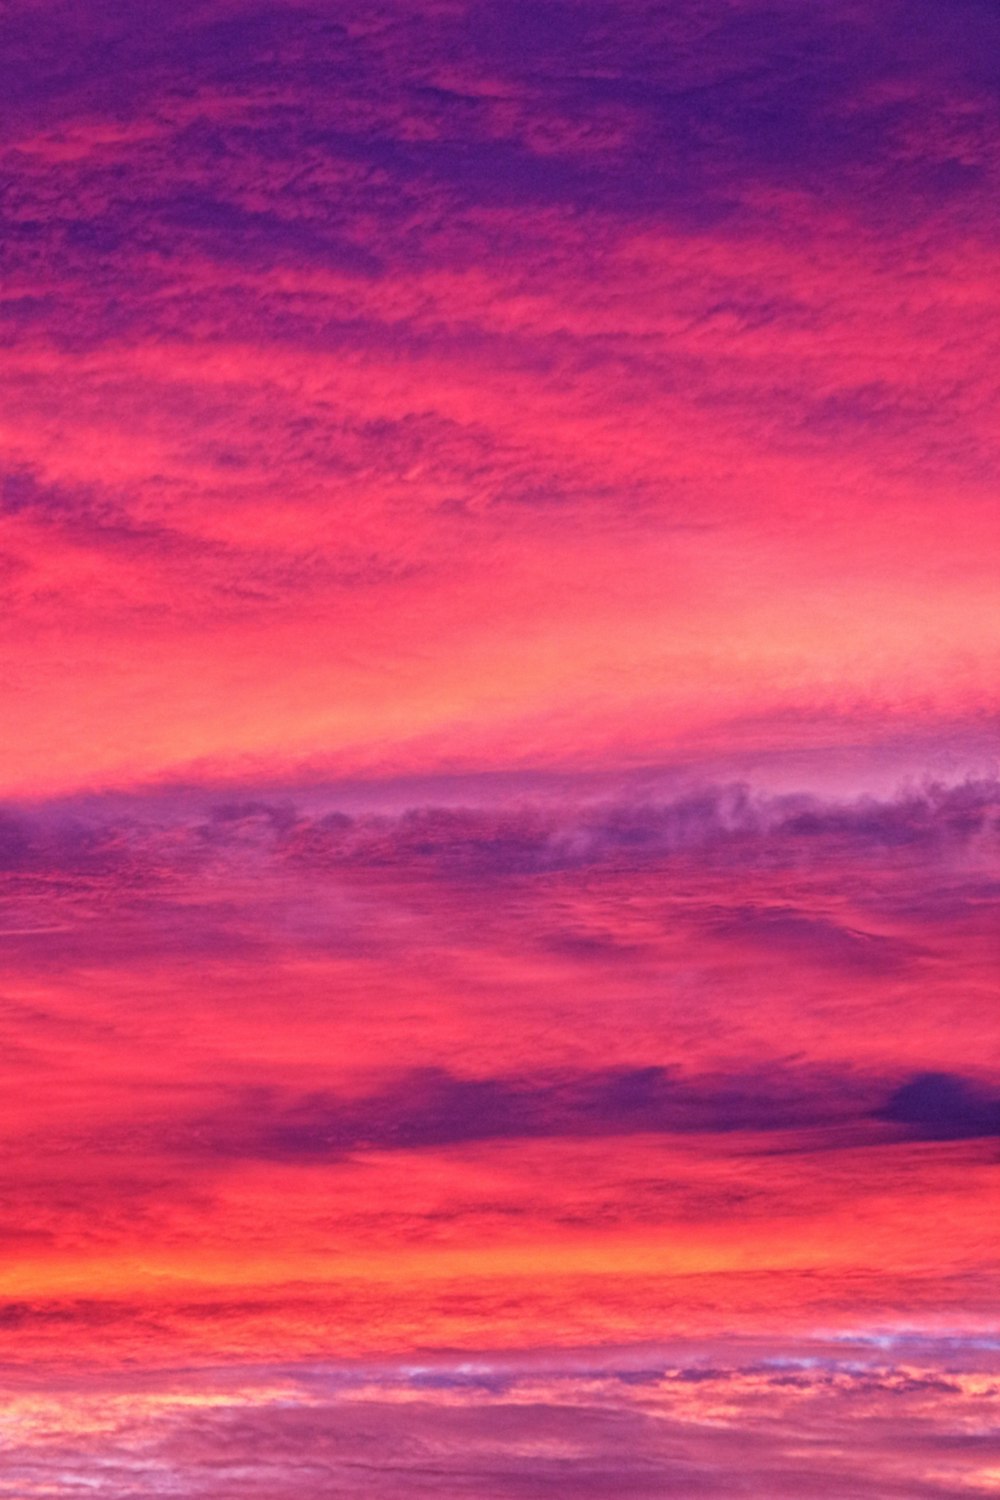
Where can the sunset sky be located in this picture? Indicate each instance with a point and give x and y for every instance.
(499, 785)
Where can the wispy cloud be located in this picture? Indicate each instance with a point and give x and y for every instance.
(389, 268)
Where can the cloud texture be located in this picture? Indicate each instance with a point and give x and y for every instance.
(498, 781)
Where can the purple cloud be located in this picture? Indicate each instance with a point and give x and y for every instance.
(943, 1107)
(432, 1108)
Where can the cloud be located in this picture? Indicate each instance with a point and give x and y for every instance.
(15, 842)
(812, 939)
(943, 1107)
(234, 876)
(435, 1109)
(799, 1422)
(540, 395)
(391, 269)
(537, 833)
(728, 818)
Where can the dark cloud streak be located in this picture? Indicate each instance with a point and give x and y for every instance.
(434, 1109)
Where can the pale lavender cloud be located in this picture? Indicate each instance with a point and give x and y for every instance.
(799, 1422)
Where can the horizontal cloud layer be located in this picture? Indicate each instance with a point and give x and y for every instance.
(821, 1421)
(532, 834)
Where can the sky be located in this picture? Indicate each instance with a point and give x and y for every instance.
(499, 775)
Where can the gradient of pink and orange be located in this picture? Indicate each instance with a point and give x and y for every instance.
(498, 839)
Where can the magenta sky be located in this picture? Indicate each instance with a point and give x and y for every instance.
(499, 779)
